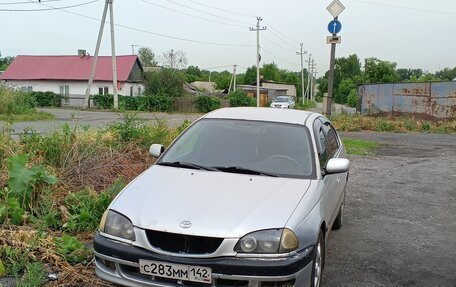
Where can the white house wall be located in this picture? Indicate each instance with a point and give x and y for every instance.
(291, 89)
(77, 89)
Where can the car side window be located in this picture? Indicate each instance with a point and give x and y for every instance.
(323, 154)
(331, 138)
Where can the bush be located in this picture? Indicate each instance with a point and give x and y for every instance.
(154, 103)
(71, 249)
(166, 82)
(47, 99)
(353, 99)
(240, 99)
(104, 102)
(205, 104)
(15, 103)
(85, 209)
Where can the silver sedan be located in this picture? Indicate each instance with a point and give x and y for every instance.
(243, 197)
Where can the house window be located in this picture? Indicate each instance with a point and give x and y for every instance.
(65, 92)
(131, 91)
(103, 90)
(27, 88)
(139, 91)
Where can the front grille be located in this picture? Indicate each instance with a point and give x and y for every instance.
(178, 243)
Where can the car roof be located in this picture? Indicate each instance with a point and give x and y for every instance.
(262, 114)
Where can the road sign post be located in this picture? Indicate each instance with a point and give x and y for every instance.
(334, 27)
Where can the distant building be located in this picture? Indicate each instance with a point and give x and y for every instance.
(290, 89)
(69, 75)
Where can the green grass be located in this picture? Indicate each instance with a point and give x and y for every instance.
(36, 116)
(359, 147)
(306, 106)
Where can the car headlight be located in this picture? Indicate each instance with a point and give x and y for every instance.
(118, 225)
(268, 241)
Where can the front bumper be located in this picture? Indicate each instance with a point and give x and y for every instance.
(119, 263)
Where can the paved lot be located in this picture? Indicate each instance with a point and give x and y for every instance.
(400, 224)
(96, 119)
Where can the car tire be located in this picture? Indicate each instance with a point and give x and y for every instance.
(340, 216)
(318, 261)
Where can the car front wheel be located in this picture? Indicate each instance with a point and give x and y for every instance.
(318, 262)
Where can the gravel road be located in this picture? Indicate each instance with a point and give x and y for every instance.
(96, 119)
(400, 220)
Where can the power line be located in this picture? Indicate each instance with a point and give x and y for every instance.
(154, 33)
(48, 9)
(280, 59)
(207, 13)
(219, 67)
(220, 9)
(27, 2)
(283, 40)
(191, 15)
(405, 8)
(289, 38)
(275, 44)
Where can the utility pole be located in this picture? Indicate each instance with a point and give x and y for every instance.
(108, 3)
(313, 67)
(301, 53)
(314, 85)
(308, 78)
(258, 56)
(133, 49)
(113, 56)
(95, 57)
(234, 73)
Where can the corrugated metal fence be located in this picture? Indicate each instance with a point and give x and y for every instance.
(426, 100)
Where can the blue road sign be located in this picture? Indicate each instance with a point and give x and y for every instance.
(334, 27)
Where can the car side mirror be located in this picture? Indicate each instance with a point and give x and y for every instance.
(156, 150)
(337, 165)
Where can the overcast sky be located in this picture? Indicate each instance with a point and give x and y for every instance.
(412, 33)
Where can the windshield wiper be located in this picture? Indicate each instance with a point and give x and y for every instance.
(187, 165)
(239, 169)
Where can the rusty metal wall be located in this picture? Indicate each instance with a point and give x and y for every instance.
(425, 100)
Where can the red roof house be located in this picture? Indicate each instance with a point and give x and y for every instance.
(68, 75)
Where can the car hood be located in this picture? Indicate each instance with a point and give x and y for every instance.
(217, 204)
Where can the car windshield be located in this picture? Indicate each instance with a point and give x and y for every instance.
(249, 147)
(282, 99)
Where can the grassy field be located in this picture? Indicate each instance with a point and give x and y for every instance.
(19, 106)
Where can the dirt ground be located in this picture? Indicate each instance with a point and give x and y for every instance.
(400, 220)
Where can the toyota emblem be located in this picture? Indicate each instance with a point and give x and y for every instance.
(185, 224)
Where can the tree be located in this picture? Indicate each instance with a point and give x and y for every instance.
(193, 73)
(446, 74)
(344, 89)
(270, 72)
(5, 62)
(165, 82)
(409, 75)
(222, 80)
(428, 77)
(344, 68)
(174, 59)
(379, 72)
(250, 75)
(147, 57)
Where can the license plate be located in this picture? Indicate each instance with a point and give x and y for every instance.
(176, 271)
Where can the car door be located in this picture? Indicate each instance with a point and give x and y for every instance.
(329, 147)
